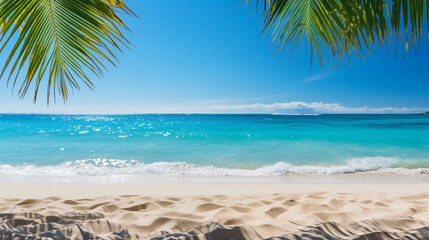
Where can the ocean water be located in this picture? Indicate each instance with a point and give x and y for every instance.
(212, 145)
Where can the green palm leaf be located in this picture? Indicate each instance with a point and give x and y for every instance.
(60, 40)
(338, 29)
(63, 40)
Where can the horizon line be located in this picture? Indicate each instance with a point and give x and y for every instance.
(226, 113)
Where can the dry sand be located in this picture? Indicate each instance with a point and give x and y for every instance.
(214, 211)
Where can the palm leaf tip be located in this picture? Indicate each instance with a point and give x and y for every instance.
(61, 42)
(334, 29)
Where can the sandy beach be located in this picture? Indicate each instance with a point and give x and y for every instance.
(214, 120)
(214, 211)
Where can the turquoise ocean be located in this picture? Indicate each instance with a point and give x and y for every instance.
(212, 145)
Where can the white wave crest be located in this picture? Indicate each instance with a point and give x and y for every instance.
(114, 167)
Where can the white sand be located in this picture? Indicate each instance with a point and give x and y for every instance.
(217, 211)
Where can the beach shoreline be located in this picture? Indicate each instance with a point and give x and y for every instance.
(353, 178)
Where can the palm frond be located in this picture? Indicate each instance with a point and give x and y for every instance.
(60, 41)
(337, 29)
(121, 5)
(407, 21)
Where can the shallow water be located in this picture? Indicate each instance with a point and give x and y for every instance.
(212, 145)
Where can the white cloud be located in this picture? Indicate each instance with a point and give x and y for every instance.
(314, 107)
(320, 76)
(295, 107)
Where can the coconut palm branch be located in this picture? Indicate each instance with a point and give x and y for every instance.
(339, 29)
(60, 41)
(64, 40)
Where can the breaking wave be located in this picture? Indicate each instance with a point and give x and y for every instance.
(114, 167)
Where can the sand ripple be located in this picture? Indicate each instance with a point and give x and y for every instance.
(323, 215)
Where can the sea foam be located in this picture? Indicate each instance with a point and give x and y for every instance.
(115, 167)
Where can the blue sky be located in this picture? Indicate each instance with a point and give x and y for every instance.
(208, 56)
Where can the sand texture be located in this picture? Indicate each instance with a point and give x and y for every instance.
(313, 215)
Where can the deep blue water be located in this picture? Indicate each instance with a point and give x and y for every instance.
(242, 145)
